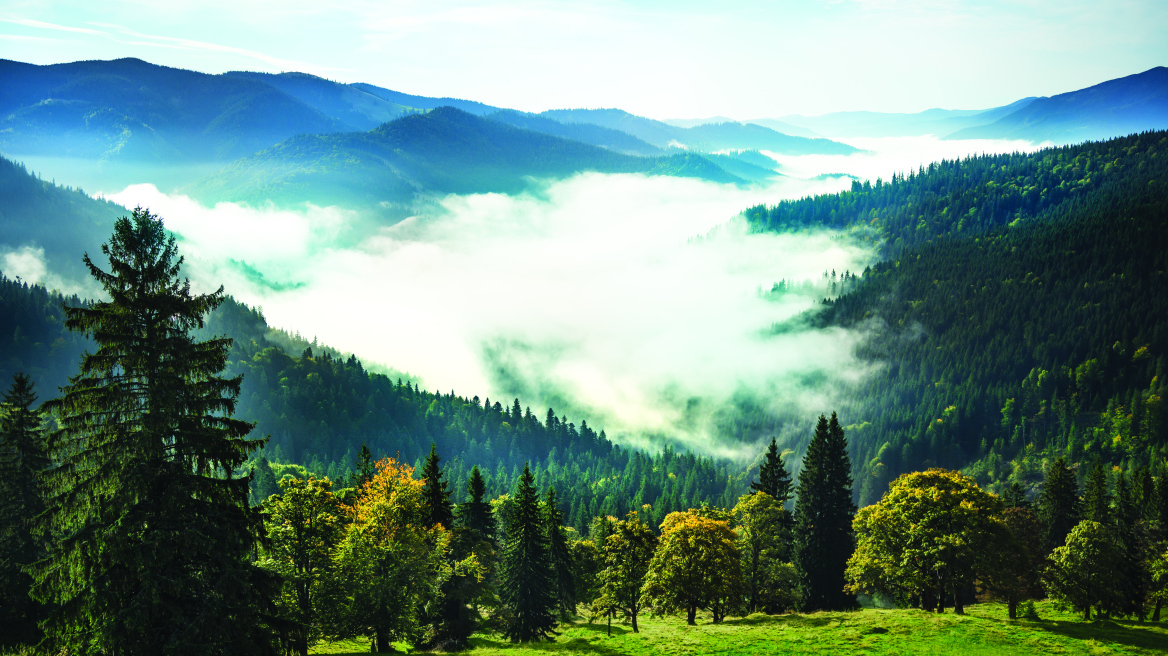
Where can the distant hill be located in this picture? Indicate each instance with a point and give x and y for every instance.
(877, 124)
(424, 102)
(128, 109)
(707, 137)
(443, 151)
(588, 133)
(64, 222)
(1126, 105)
(355, 108)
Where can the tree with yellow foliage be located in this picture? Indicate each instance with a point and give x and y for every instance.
(697, 566)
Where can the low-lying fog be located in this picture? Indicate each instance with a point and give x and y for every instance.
(632, 302)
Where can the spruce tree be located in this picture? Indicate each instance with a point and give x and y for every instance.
(823, 519)
(263, 481)
(560, 556)
(773, 477)
(1096, 496)
(152, 532)
(22, 459)
(438, 508)
(1015, 497)
(476, 513)
(1059, 505)
(1134, 546)
(527, 589)
(364, 467)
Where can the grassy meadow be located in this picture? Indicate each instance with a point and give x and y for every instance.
(984, 629)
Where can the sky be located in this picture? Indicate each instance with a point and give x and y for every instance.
(663, 59)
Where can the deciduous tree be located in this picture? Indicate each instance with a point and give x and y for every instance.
(697, 566)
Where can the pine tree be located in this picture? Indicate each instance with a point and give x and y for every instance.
(527, 589)
(364, 467)
(263, 481)
(823, 519)
(773, 477)
(152, 532)
(1059, 503)
(22, 459)
(475, 514)
(1096, 497)
(560, 556)
(1134, 547)
(439, 510)
(1015, 497)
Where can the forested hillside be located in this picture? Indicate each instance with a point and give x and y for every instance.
(1024, 317)
(443, 151)
(963, 198)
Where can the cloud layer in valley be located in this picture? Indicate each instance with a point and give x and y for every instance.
(633, 302)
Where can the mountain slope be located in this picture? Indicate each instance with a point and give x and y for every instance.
(1117, 107)
(588, 133)
(1007, 342)
(425, 102)
(443, 151)
(355, 109)
(62, 222)
(708, 137)
(128, 109)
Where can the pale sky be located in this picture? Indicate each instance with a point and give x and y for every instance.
(663, 59)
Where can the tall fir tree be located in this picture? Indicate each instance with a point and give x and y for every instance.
(1059, 505)
(438, 508)
(773, 477)
(1096, 496)
(363, 467)
(22, 459)
(559, 555)
(152, 532)
(526, 588)
(476, 513)
(1161, 511)
(1134, 546)
(1015, 497)
(823, 519)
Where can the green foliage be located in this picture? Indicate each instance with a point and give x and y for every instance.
(926, 537)
(436, 498)
(626, 547)
(1059, 503)
(22, 459)
(151, 531)
(696, 566)
(773, 477)
(563, 568)
(1009, 569)
(1060, 312)
(305, 523)
(1085, 572)
(527, 588)
(764, 538)
(823, 519)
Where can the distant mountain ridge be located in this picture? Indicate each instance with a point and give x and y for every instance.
(937, 122)
(445, 150)
(704, 137)
(1126, 105)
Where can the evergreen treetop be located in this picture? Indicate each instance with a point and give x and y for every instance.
(1058, 504)
(439, 509)
(527, 588)
(823, 519)
(773, 477)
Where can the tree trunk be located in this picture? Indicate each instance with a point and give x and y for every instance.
(382, 642)
(634, 616)
(928, 604)
(1012, 605)
(958, 606)
(691, 615)
(1156, 613)
(1087, 613)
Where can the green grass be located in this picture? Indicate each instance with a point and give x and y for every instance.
(983, 630)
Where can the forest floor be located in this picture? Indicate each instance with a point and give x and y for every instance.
(984, 629)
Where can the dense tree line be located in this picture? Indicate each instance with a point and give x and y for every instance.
(935, 537)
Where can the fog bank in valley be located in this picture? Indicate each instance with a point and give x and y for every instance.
(635, 303)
